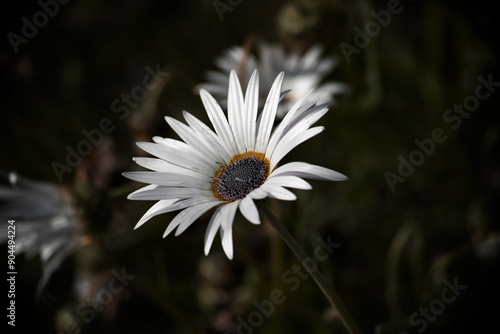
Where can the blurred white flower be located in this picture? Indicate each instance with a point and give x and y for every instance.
(45, 222)
(231, 167)
(303, 73)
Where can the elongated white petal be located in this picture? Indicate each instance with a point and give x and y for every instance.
(184, 157)
(227, 241)
(249, 210)
(304, 119)
(228, 212)
(257, 194)
(196, 124)
(236, 111)
(219, 122)
(170, 179)
(296, 122)
(227, 217)
(177, 204)
(310, 58)
(278, 192)
(251, 106)
(194, 140)
(169, 193)
(278, 132)
(306, 170)
(213, 227)
(195, 212)
(159, 207)
(289, 181)
(186, 217)
(143, 189)
(208, 136)
(268, 115)
(286, 146)
(159, 165)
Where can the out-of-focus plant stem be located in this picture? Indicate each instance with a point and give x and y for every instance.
(330, 294)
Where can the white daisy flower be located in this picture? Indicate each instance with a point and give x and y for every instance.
(231, 167)
(303, 74)
(46, 224)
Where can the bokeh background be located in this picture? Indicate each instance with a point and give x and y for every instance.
(397, 248)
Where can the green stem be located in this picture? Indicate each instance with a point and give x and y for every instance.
(330, 294)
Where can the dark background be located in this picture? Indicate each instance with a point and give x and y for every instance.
(397, 247)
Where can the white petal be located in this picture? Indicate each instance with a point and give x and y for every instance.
(297, 111)
(208, 135)
(171, 205)
(155, 210)
(278, 192)
(170, 179)
(249, 210)
(227, 217)
(303, 169)
(155, 164)
(143, 189)
(296, 124)
(212, 228)
(190, 137)
(326, 65)
(305, 118)
(251, 106)
(228, 213)
(195, 213)
(311, 57)
(186, 217)
(158, 139)
(325, 91)
(269, 114)
(227, 241)
(196, 124)
(288, 181)
(236, 111)
(219, 122)
(258, 194)
(160, 165)
(179, 154)
(169, 193)
(278, 132)
(286, 146)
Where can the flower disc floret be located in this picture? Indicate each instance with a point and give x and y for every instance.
(240, 177)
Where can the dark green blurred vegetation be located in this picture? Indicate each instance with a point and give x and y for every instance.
(397, 247)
